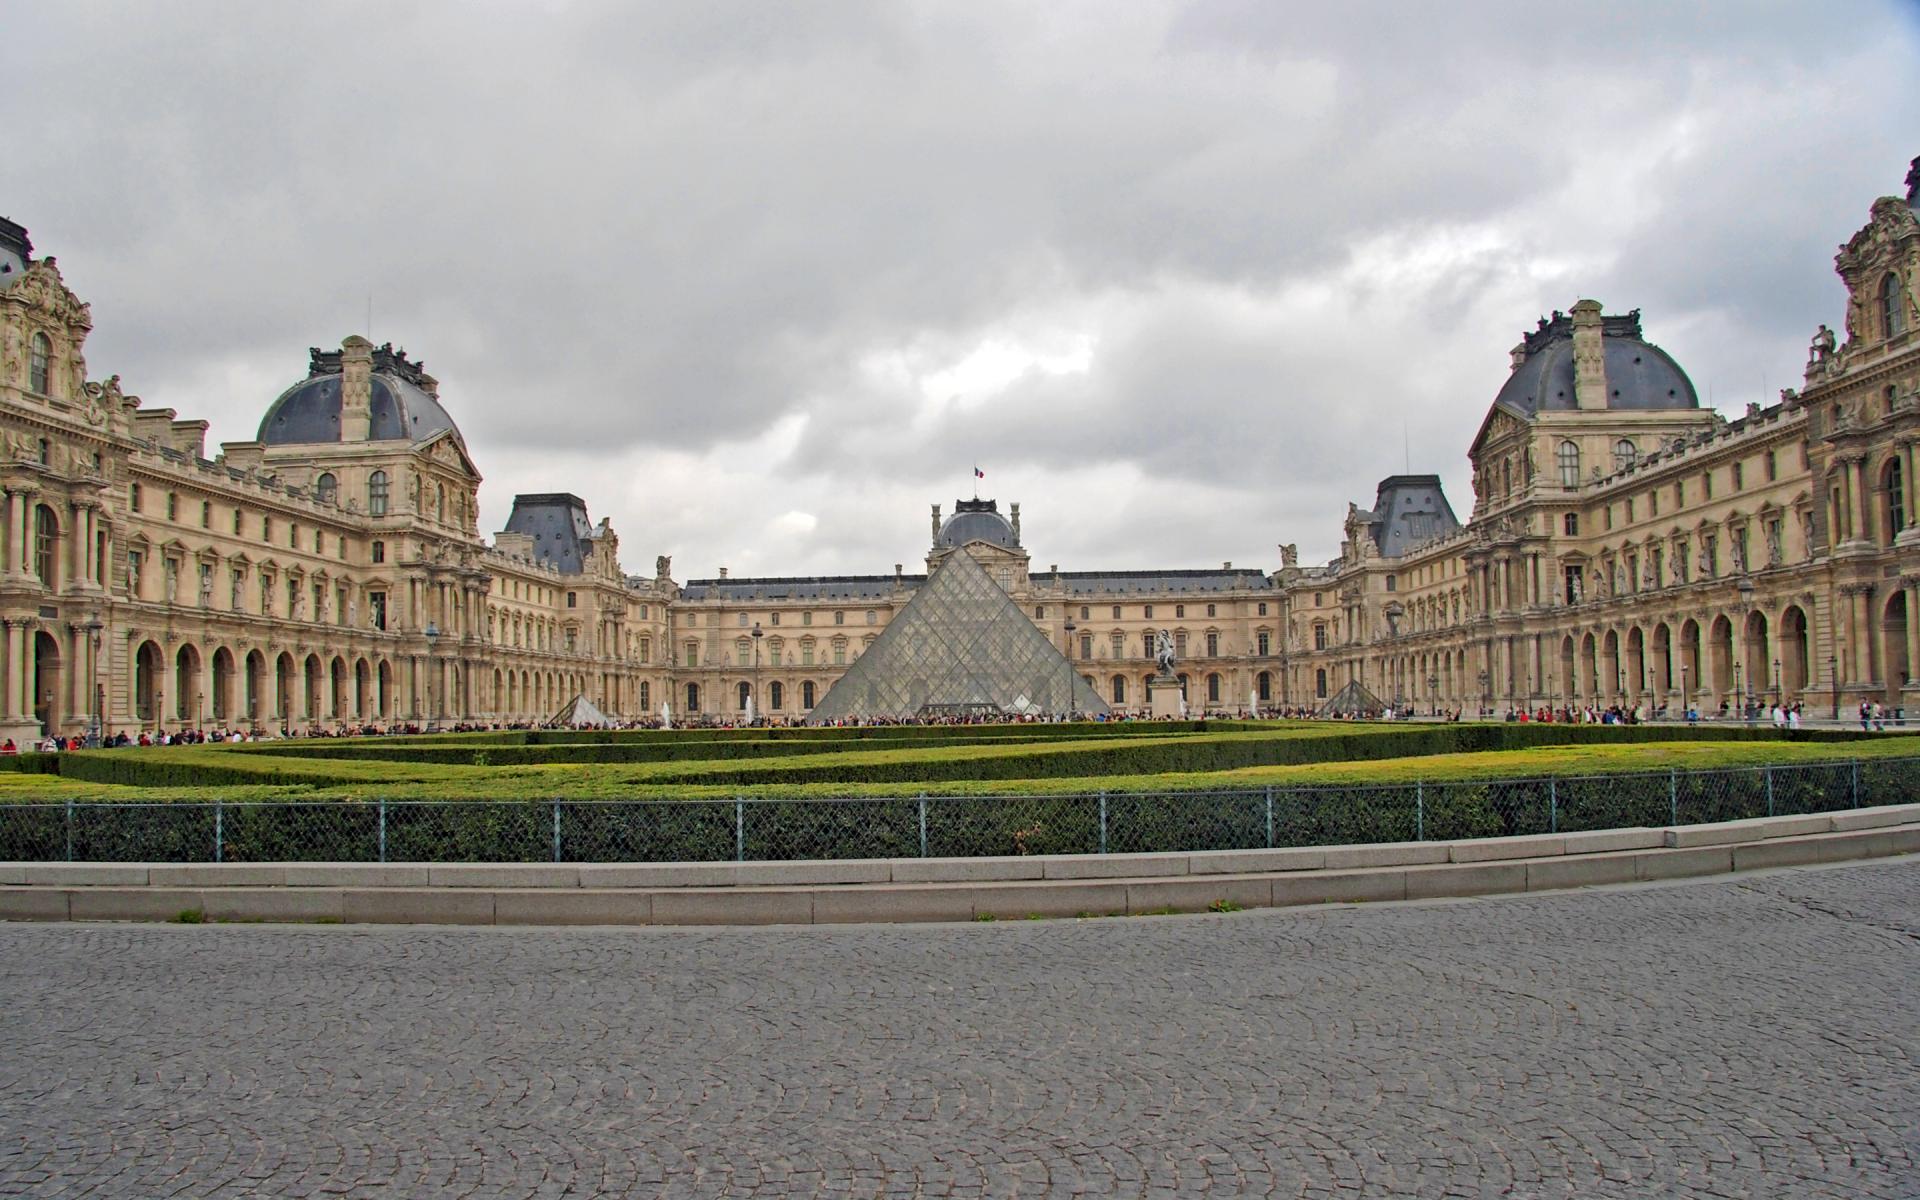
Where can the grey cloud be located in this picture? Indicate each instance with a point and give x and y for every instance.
(658, 231)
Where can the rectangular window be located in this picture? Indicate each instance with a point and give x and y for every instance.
(1706, 485)
(1776, 552)
(839, 654)
(1319, 637)
(1147, 612)
(340, 605)
(238, 516)
(206, 584)
(1653, 504)
(1393, 583)
(1213, 645)
(1570, 524)
(1116, 612)
(1086, 645)
(1711, 557)
(1083, 612)
(293, 535)
(693, 654)
(206, 514)
(377, 607)
(173, 507)
(1575, 581)
(806, 618)
(1263, 608)
(319, 603)
(1212, 610)
(645, 648)
(1739, 476)
(773, 618)
(806, 654)
(646, 696)
(839, 618)
(1264, 643)
(1179, 612)
(572, 598)
(266, 529)
(266, 595)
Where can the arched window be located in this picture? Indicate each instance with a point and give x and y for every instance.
(806, 694)
(1119, 689)
(44, 533)
(377, 494)
(1569, 459)
(1625, 454)
(39, 357)
(1896, 489)
(693, 697)
(1213, 689)
(776, 695)
(1265, 682)
(1893, 313)
(1320, 683)
(743, 694)
(326, 487)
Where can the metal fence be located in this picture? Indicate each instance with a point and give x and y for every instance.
(743, 828)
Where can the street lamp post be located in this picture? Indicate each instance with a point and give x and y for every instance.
(1833, 676)
(1686, 697)
(1778, 695)
(753, 698)
(93, 628)
(1737, 696)
(1067, 704)
(1486, 695)
(433, 636)
(1433, 695)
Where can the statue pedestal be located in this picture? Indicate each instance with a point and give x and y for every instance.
(1164, 699)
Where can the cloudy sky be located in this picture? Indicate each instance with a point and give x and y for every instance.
(761, 282)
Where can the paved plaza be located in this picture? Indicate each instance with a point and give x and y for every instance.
(1748, 1037)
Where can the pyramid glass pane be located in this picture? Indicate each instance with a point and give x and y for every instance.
(960, 647)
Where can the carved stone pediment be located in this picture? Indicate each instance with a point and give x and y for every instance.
(42, 290)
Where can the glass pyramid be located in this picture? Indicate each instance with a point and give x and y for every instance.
(960, 647)
(1353, 700)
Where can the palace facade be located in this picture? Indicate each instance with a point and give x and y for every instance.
(1624, 545)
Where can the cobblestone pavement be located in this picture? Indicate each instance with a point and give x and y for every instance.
(1754, 1037)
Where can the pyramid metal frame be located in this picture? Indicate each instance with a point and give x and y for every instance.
(959, 647)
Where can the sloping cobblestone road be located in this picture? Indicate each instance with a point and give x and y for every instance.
(1754, 1037)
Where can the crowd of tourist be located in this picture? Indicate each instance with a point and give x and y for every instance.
(1873, 716)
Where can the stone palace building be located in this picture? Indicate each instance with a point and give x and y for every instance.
(1624, 545)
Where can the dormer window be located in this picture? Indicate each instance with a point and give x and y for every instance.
(377, 494)
(1893, 313)
(1569, 459)
(39, 356)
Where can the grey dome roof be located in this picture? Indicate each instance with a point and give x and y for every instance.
(1641, 377)
(400, 406)
(975, 521)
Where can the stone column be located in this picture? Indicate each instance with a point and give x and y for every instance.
(16, 635)
(22, 556)
(1910, 486)
(1862, 517)
(169, 699)
(1912, 586)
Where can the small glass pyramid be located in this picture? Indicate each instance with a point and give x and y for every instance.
(962, 648)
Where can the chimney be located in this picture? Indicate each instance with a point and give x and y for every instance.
(1589, 358)
(1014, 510)
(723, 572)
(1226, 566)
(1519, 355)
(356, 388)
(898, 570)
(936, 522)
(429, 385)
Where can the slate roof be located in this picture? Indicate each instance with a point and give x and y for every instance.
(811, 587)
(1408, 510)
(558, 524)
(1641, 377)
(16, 251)
(400, 406)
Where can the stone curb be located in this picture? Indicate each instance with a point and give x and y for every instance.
(868, 891)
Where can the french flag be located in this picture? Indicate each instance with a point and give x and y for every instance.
(979, 474)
